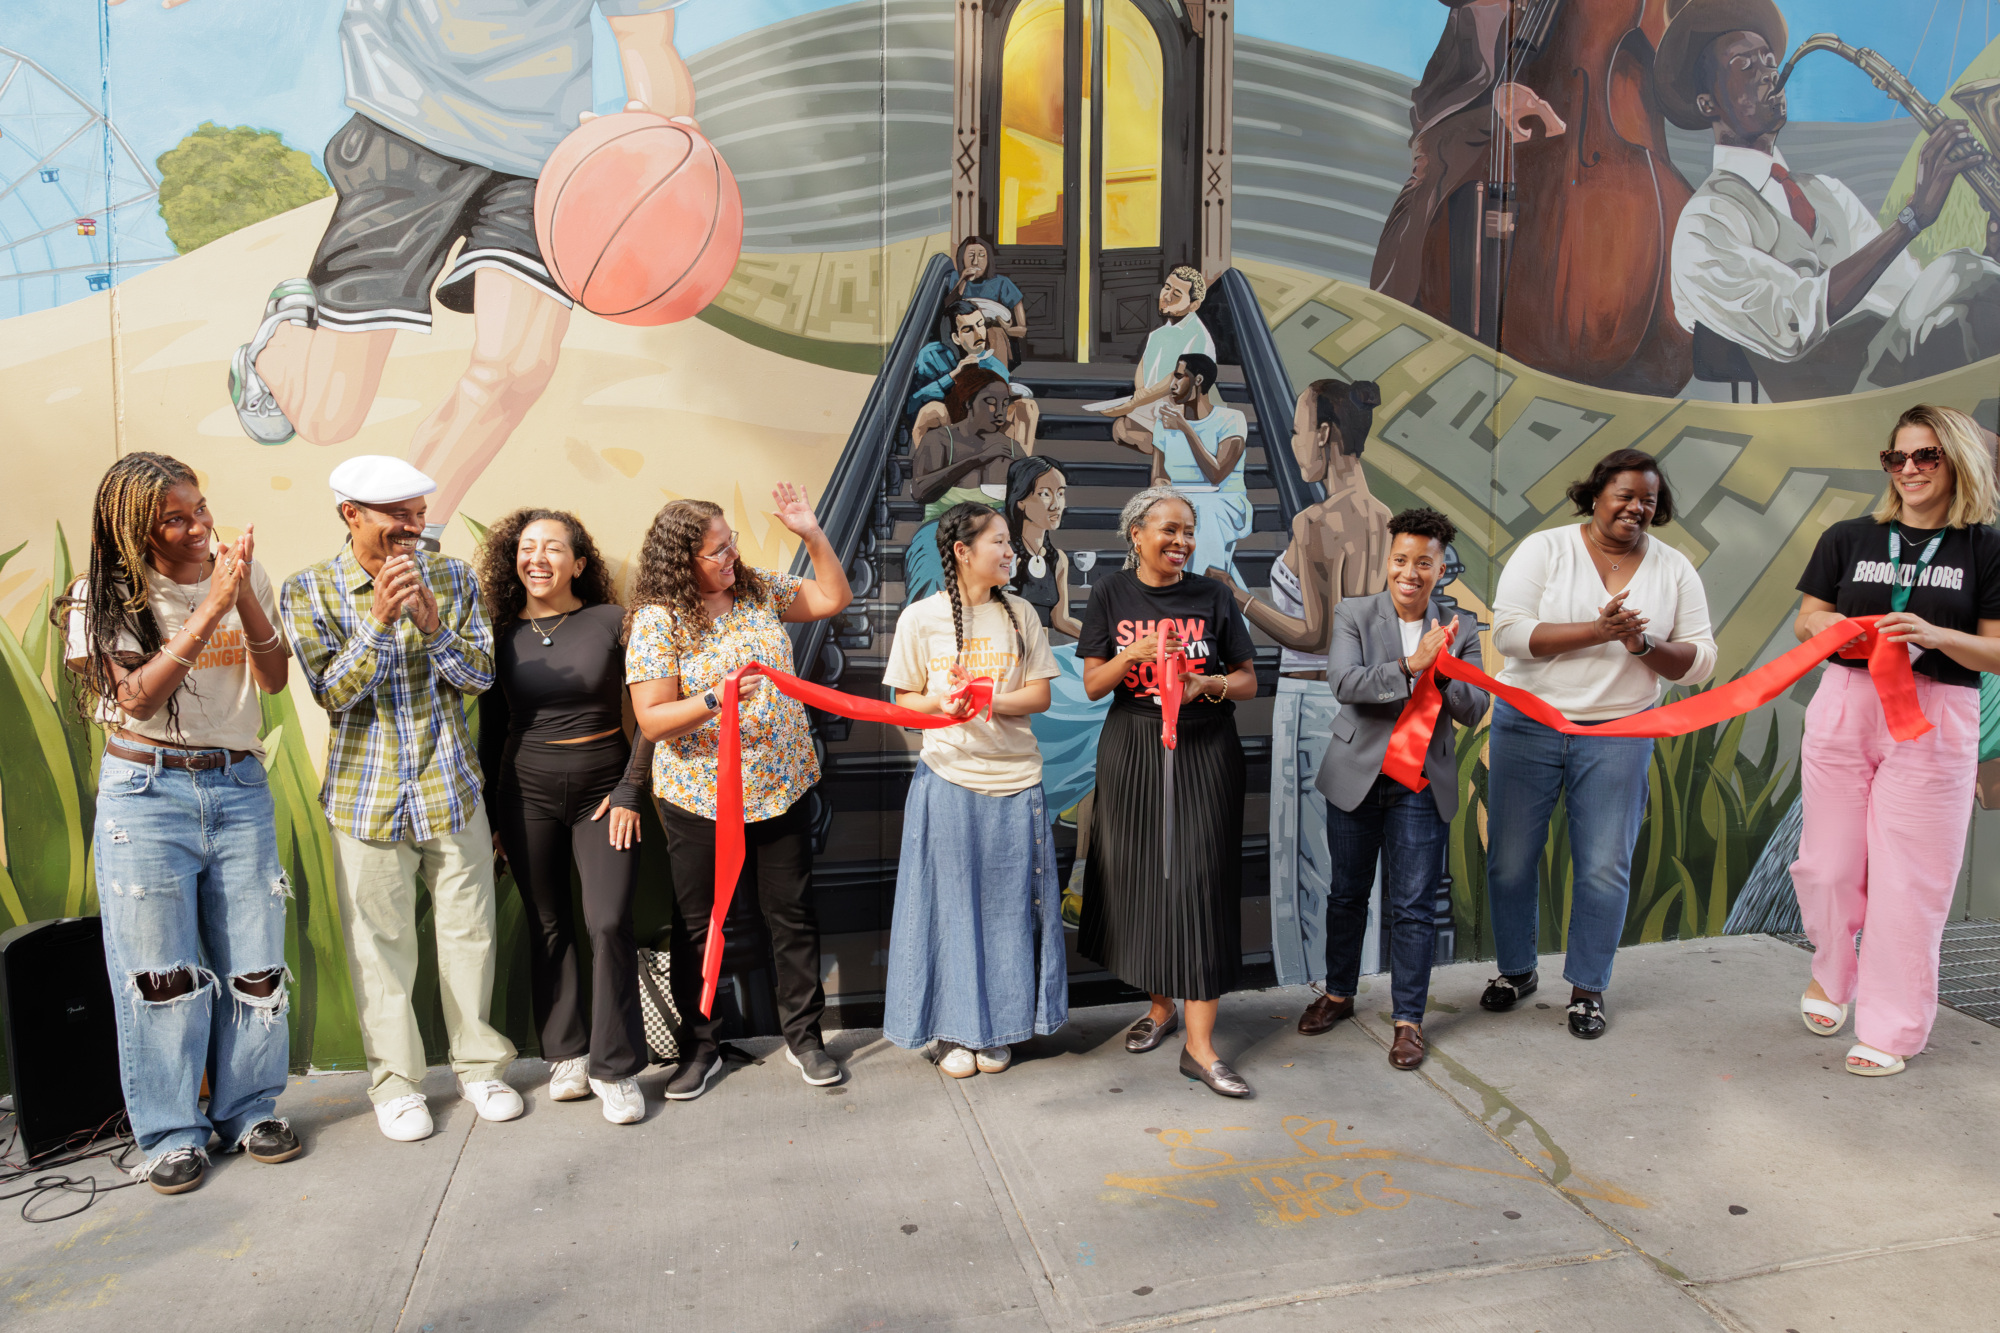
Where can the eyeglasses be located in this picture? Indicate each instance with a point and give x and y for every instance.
(1928, 459)
(725, 555)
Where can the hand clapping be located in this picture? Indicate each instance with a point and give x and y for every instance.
(1615, 622)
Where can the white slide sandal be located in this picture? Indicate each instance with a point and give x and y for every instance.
(1880, 1063)
(1827, 1009)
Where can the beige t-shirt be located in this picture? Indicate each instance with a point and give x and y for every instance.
(216, 703)
(994, 756)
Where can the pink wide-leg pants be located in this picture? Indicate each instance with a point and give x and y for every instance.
(1880, 850)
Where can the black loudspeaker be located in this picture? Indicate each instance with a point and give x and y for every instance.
(62, 1032)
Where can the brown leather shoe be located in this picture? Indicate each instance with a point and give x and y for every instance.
(1323, 1013)
(1408, 1050)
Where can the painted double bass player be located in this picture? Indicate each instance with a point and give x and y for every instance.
(1557, 253)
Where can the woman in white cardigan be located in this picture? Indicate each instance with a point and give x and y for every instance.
(1595, 619)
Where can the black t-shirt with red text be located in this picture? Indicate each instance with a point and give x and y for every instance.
(1122, 610)
(1850, 568)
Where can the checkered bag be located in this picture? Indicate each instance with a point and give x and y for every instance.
(656, 1007)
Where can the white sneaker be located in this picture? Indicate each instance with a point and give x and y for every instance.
(404, 1119)
(959, 1063)
(624, 1104)
(493, 1099)
(292, 301)
(994, 1059)
(567, 1080)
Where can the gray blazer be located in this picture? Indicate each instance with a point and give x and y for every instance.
(1362, 668)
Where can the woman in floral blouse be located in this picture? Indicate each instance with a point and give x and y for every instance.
(697, 614)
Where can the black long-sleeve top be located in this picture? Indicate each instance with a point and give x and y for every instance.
(571, 687)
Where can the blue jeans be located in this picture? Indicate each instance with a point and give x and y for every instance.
(190, 888)
(1403, 828)
(1602, 780)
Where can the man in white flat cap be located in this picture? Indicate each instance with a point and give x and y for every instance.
(392, 641)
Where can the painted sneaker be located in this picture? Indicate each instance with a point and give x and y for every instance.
(567, 1080)
(291, 302)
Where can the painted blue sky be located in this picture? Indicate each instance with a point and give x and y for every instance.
(274, 64)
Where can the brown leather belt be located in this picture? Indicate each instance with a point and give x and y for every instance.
(1303, 675)
(195, 759)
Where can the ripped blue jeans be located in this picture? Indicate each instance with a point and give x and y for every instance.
(193, 900)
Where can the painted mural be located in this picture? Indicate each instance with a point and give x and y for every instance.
(913, 252)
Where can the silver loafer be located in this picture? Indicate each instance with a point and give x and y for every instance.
(1145, 1034)
(1219, 1076)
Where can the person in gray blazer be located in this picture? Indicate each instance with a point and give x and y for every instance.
(1381, 645)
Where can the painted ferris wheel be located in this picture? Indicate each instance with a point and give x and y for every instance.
(77, 205)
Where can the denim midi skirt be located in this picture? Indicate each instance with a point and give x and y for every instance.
(976, 951)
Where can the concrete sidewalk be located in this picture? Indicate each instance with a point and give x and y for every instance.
(1706, 1165)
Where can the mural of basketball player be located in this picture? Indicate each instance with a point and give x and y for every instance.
(1792, 268)
(1181, 332)
(456, 109)
(1338, 549)
(1453, 113)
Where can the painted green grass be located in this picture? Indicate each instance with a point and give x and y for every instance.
(1709, 813)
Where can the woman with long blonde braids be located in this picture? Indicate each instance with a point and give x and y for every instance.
(172, 636)
(976, 958)
(698, 613)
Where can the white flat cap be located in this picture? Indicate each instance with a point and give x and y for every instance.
(376, 479)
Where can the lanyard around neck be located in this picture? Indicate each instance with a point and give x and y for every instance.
(1899, 592)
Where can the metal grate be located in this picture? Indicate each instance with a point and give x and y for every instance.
(1968, 967)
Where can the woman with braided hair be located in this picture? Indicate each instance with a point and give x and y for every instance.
(172, 635)
(976, 958)
(698, 613)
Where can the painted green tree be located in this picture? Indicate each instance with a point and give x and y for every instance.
(220, 180)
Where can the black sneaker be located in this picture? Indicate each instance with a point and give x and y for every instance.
(692, 1079)
(1503, 992)
(178, 1172)
(272, 1141)
(815, 1065)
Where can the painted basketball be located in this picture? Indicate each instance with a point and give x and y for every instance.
(638, 218)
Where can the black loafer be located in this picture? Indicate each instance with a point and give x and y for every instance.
(178, 1172)
(1146, 1035)
(1586, 1018)
(1503, 993)
(272, 1141)
(1219, 1076)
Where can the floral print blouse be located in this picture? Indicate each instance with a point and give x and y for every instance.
(778, 760)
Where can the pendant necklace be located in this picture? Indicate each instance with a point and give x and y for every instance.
(545, 633)
(1038, 565)
(1607, 554)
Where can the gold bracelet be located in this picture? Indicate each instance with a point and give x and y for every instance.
(176, 656)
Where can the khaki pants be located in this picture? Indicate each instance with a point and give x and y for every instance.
(376, 884)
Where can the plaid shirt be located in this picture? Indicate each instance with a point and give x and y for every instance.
(399, 765)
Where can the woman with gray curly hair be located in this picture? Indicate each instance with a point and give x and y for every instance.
(1167, 919)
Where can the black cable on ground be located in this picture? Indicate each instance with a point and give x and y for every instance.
(112, 1141)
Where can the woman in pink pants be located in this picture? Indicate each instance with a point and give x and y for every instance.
(1885, 820)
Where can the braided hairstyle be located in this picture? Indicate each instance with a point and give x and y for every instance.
(964, 523)
(667, 571)
(506, 596)
(111, 596)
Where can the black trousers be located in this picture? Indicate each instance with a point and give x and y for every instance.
(543, 805)
(777, 859)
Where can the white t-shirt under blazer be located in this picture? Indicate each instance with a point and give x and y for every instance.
(1550, 579)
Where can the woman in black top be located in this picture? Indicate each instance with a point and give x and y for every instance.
(1883, 833)
(562, 782)
(1172, 928)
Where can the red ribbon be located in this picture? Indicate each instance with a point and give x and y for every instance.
(1171, 689)
(729, 778)
(1888, 666)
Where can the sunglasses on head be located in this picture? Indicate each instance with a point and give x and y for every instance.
(1927, 459)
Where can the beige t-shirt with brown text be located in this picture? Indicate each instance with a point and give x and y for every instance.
(216, 705)
(994, 756)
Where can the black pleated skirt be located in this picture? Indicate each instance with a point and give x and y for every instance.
(1177, 934)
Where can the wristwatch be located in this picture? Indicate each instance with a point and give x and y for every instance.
(710, 702)
(1645, 644)
(1908, 217)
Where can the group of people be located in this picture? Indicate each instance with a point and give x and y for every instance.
(173, 633)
